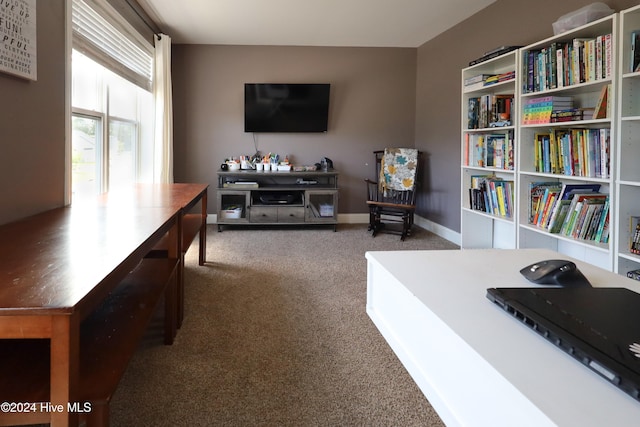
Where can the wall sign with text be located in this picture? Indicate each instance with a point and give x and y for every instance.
(18, 38)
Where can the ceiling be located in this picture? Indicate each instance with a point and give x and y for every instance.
(358, 23)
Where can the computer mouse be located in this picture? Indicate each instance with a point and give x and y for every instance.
(555, 272)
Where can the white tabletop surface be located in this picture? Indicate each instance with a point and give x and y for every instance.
(452, 284)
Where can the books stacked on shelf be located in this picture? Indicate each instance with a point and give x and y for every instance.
(489, 150)
(489, 111)
(482, 80)
(539, 110)
(492, 195)
(573, 152)
(634, 235)
(564, 64)
(494, 53)
(578, 211)
(634, 274)
(475, 82)
(572, 115)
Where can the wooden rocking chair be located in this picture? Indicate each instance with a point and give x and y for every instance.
(391, 200)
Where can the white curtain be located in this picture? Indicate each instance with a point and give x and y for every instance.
(163, 110)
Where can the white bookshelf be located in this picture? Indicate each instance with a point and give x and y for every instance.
(627, 184)
(487, 229)
(583, 94)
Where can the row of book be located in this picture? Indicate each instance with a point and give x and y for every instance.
(578, 211)
(573, 152)
(491, 194)
(564, 64)
(489, 111)
(489, 150)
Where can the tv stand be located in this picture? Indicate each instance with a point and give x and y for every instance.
(248, 197)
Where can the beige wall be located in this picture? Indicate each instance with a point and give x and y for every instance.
(372, 106)
(438, 94)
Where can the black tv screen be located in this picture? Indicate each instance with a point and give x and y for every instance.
(277, 107)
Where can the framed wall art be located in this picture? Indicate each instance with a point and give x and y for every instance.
(18, 50)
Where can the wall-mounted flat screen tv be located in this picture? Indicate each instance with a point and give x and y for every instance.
(277, 107)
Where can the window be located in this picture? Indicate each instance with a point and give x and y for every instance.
(112, 106)
(86, 143)
(112, 124)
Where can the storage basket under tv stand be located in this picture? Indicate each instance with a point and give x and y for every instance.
(249, 197)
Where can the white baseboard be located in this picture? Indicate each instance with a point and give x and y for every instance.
(444, 232)
(363, 218)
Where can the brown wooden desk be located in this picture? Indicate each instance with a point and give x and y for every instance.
(58, 266)
(184, 196)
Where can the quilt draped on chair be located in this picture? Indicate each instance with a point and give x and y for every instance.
(398, 169)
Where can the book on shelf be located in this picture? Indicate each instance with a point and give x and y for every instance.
(581, 205)
(563, 199)
(489, 150)
(587, 217)
(480, 81)
(573, 152)
(635, 52)
(492, 195)
(539, 110)
(603, 106)
(494, 53)
(572, 114)
(474, 84)
(480, 78)
(537, 191)
(602, 232)
(578, 211)
(634, 234)
(568, 63)
(486, 110)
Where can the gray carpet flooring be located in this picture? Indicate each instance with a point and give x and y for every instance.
(276, 334)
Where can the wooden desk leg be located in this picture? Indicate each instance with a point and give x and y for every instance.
(175, 251)
(170, 310)
(65, 360)
(203, 231)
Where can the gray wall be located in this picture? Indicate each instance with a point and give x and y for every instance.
(438, 91)
(371, 89)
(372, 106)
(32, 124)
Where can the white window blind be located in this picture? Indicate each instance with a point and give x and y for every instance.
(103, 35)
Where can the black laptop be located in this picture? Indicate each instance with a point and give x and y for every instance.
(600, 327)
